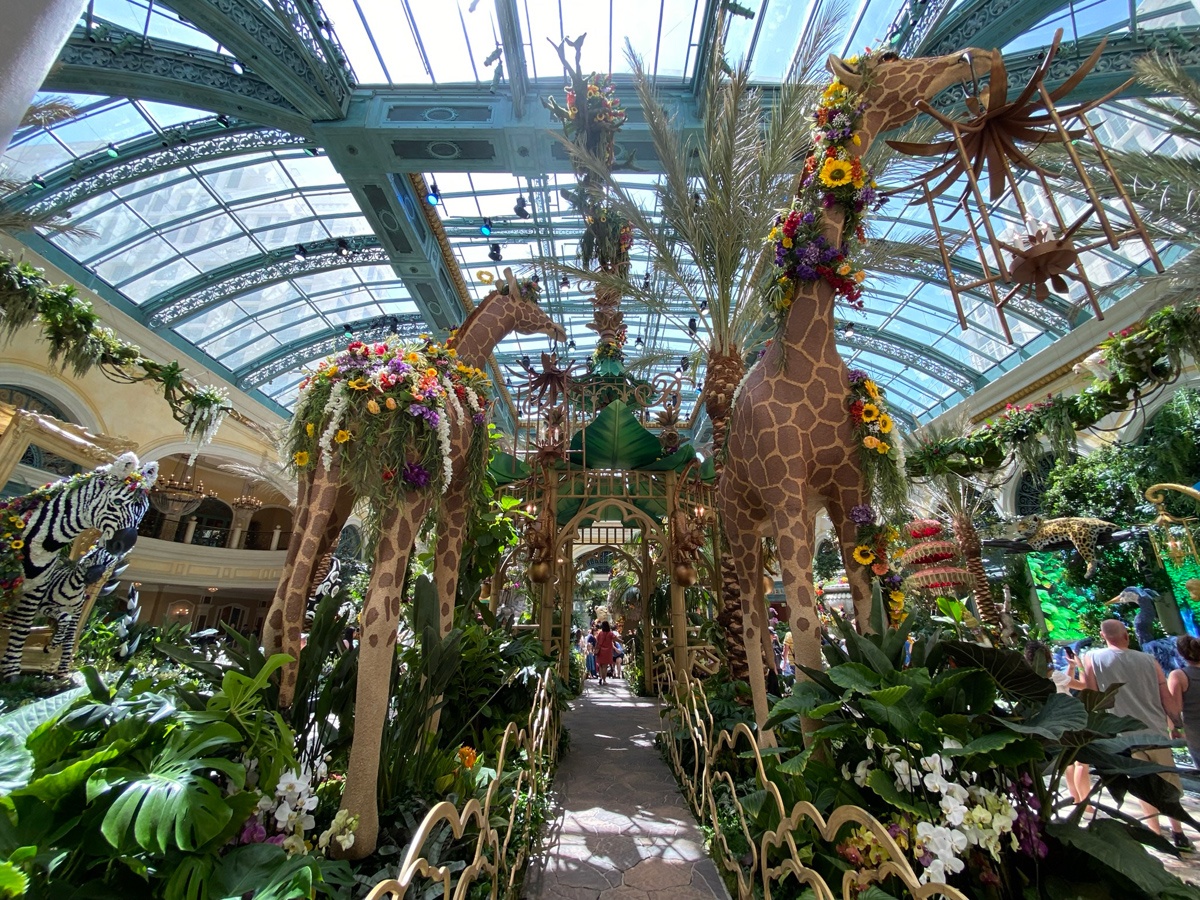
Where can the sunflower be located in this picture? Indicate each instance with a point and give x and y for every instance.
(835, 172)
(300, 458)
(863, 555)
(870, 412)
(885, 423)
(18, 544)
(872, 389)
(309, 429)
(358, 384)
(882, 448)
(342, 436)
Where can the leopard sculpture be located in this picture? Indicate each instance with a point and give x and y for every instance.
(1082, 532)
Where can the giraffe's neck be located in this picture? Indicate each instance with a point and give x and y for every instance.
(484, 328)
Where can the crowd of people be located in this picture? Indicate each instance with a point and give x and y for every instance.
(603, 652)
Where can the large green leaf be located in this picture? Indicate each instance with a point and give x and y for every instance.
(674, 462)
(1013, 676)
(16, 764)
(263, 871)
(54, 786)
(174, 803)
(13, 882)
(1107, 842)
(1060, 713)
(22, 722)
(855, 676)
(506, 468)
(881, 783)
(615, 440)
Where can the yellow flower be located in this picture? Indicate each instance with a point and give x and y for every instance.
(17, 544)
(774, 235)
(301, 458)
(451, 352)
(331, 371)
(412, 358)
(857, 140)
(835, 172)
(858, 181)
(863, 555)
(467, 755)
(870, 412)
(870, 442)
(872, 389)
(310, 429)
(358, 384)
(897, 597)
(390, 402)
(372, 407)
(844, 269)
(885, 423)
(882, 448)
(859, 276)
(431, 373)
(787, 243)
(342, 436)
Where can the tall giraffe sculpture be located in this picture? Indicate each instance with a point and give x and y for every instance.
(790, 446)
(323, 504)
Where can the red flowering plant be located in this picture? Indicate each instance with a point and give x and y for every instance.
(834, 178)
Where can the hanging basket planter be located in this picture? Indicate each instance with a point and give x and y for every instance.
(929, 553)
(939, 578)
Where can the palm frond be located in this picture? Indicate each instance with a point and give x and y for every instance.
(1167, 74)
(49, 111)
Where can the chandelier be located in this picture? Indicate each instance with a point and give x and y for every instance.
(176, 497)
(247, 501)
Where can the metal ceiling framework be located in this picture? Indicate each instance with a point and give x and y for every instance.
(280, 81)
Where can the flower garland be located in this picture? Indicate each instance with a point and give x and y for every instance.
(601, 107)
(385, 409)
(834, 178)
(874, 549)
(878, 442)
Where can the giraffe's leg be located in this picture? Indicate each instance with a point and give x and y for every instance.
(451, 528)
(380, 617)
(794, 537)
(323, 498)
(745, 548)
(273, 624)
(844, 499)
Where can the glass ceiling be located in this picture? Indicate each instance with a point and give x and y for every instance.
(182, 242)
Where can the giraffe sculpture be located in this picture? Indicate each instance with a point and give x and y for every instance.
(323, 504)
(790, 445)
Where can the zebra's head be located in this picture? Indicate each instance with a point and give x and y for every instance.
(121, 500)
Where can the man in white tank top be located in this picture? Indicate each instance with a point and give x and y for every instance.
(1143, 695)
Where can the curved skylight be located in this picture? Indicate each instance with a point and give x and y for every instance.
(260, 249)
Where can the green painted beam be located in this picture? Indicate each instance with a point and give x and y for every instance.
(986, 24)
(253, 272)
(109, 60)
(284, 53)
(186, 144)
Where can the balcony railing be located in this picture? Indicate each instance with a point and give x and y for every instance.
(190, 531)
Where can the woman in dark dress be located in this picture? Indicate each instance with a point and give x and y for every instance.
(605, 641)
(1182, 683)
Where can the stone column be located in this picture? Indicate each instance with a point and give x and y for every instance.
(34, 32)
(275, 535)
(646, 586)
(191, 530)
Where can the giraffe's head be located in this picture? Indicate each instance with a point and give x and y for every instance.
(891, 85)
(529, 318)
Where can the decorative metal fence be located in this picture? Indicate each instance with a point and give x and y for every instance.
(503, 827)
(700, 758)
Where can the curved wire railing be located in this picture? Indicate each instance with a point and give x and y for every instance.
(695, 751)
(503, 826)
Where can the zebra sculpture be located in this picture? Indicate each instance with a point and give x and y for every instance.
(111, 500)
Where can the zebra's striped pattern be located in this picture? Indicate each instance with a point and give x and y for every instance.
(112, 499)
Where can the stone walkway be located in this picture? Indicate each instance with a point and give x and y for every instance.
(621, 830)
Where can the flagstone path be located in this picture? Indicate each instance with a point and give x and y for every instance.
(621, 830)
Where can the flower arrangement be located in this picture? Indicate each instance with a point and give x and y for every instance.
(385, 409)
(876, 542)
(599, 109)
(834, 178)
(203, 412)
(878, 441)
(285, 817)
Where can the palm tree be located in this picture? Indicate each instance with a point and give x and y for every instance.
(718, 196)
(43, 113)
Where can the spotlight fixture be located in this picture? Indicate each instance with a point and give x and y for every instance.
(646, 282)
(565, 283)
(312, 151)
(494, 253)
(486, 228)
(223, 120)
(535, 280)
(571, 344)
(849, 332)
(508, 382)
(683, 362)
(301, 254)
(696, 201)
(638, 342)
(238, 68)
(433, 196)
(525, 362)
(343, 247)
(521, 209)
(38, 182)
(348, 332)
(112, 151)
(703, 305)
(692, 326)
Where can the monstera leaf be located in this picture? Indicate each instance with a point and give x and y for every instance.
(506, 468)
(615, 440)
(174, 803)
(16, 764)
(674, 462)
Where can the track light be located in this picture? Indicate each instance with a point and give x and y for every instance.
(524, 361)
(565, 283)
(703, 305)
(237, 67)
(343, 247)
(692, 326)
(535, 280)
(301, 254)
(683, 362)
(486, 228)
(639, 342)
(223, 120)
(571, 344)
(433, 196)
(849, 330)
(646, 282)
(521, 209)
(112, 151)
(494, 253)
(348, 332)
(38, 182)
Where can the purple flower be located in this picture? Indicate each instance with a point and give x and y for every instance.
(829, 200)
(430, 416)
(862, 515)
(478, 418)
(277, 839)
(253, 833)
(415, 475)
(857, 376)
(398, 366)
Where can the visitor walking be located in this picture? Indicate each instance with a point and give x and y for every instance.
(589, 651)
(1144, 695)
(1182, 684)
(605, 644)
(1037, 654)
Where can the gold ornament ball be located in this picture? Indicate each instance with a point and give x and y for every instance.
(539, 572)
(685, 575)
